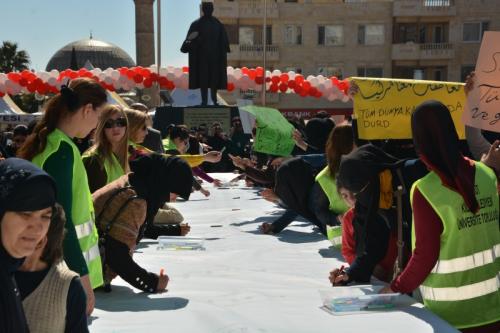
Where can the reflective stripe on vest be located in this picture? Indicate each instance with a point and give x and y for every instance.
(84, 229)
(463, 293)
(327, 183)
(91, 254)
(82, 208)
(469, 262)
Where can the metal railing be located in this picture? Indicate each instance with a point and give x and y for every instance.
(436, 47)
(259, 48)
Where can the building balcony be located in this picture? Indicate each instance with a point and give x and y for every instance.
(253, 53)
(427, 51)
(245, 9)
(424, 8)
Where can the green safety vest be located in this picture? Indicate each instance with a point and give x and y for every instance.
(334, 235)
(168, 144)
(113, 168)
(327, 183)
(337, 204)
(82, 209)
(464, 286)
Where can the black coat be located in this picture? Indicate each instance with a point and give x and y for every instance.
(208, 54)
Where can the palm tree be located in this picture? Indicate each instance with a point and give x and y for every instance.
(12, 59)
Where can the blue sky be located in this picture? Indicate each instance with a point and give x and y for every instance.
(42, 27)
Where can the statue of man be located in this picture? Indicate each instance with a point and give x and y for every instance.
(207, 44)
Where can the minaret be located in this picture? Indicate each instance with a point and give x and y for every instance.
(145, 42)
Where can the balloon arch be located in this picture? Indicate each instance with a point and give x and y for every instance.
(125, 79)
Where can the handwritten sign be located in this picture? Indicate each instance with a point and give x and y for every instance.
(383, 107)
(274, 132)
(483, 103)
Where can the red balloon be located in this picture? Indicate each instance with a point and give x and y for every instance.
(252, 74)
(306, 85)
(292, 84)
(230, 86)
(303, 93)
(275, 80)
(148, 83)
(137, 78)
(260, 71)
(274, 88)
(145, 72)
(335, 81)
(284, 78)
(23, 82)
(244, 70)
(313, 91)
(185, 69)
(283, 87)
(14, 76)
(259, 80)
(2, 94)
(73, 75)
(82, 71)
(319, 94)
(31, 87)
(299, 78)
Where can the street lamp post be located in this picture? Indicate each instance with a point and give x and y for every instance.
(264, 54)
(158, 42)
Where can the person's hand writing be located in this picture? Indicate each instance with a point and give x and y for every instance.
(237, 161)
(212, 157)
(206, 193)
(185, 229)
(162, 282)
(217, 183)
(338, 277)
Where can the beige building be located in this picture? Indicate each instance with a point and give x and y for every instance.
(422, 39)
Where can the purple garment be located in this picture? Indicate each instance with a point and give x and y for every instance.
(197, 171)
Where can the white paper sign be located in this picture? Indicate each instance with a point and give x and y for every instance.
(483, 103)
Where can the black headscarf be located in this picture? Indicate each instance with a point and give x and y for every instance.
(155, 176)
(437, 144)
(23, 187)
(318, 131)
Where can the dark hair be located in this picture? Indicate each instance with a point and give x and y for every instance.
(178, 132)
(340, 142)
(53, 250)
(20, 130)
(80, 92)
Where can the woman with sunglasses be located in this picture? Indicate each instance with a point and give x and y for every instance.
(107, 160)
(73, 113)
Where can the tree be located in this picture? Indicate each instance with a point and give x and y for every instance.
(12, 59)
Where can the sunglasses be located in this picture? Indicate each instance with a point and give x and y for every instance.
(112, 123)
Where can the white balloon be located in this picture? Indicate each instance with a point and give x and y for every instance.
(2, 87)
(3, 78)
(108, 71)
(291, 75)
(96, 71)
(54, 73)
(276, 72)
(115, 75)
(178, 72)
(237, 74)
(313, 81)
(108, 80)
(163, 71)
(52, 81)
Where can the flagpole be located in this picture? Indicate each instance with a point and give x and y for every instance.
(264, 53)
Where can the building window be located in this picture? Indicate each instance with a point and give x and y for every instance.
(371, 34)
(473, 31)
(247, 36)
(330, 35)
(465, 71)
(293, 34)
(370, 72)
(329, 71)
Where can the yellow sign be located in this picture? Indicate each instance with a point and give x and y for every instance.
(383, 107)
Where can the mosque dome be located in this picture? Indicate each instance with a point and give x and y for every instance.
(89, 52)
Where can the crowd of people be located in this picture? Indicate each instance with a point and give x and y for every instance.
(85, 184)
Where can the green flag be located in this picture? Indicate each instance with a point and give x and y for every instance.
(274, 132)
